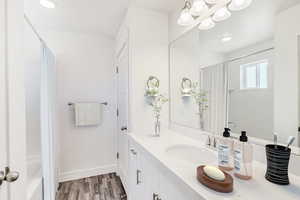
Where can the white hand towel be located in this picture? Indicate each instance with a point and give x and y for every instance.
(88, 114)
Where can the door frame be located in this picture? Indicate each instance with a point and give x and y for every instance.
(122, 44)
(13, 99)
(3, 98)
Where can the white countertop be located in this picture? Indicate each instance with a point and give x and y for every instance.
(255, 189)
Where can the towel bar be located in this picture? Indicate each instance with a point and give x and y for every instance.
(104, 103)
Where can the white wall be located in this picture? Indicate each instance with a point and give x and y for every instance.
(85, 72)
(286, 73)
(183, 64)
(32, 60)
(148, 56)
(257, 117)
(299, 89)
(246, 118)
(186, 62)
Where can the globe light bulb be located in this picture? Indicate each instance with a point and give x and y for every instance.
(221, 14)
(198, 7)
(236, 5)
(185, 19)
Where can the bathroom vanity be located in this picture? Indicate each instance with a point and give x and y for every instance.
(165, 168)
(244, 75)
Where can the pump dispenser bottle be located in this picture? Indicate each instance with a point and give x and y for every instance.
(243, 158)
(225, 151)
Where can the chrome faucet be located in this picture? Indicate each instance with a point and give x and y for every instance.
(208, 141)
(211, 142)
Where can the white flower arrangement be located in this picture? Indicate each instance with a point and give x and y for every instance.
(157, 104)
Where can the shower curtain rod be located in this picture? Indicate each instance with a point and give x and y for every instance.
(34, 30)
(251, 54)
(241, 57)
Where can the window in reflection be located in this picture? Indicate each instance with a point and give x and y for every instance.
(254, 75)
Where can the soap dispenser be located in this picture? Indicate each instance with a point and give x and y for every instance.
(243, 158)
(225, 151)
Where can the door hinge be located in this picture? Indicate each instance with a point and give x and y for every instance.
(117, 112)
(118, 155)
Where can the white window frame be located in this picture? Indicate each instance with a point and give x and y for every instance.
(243, 75)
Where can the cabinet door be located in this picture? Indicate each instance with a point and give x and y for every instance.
(150, 175)
(132, 172)
(139, 176)
(171, 188)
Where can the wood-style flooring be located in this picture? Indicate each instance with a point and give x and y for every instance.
(103, 187)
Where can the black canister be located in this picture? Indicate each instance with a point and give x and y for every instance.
(278, 158)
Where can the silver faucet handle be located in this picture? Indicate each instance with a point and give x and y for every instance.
(215, 142)
(208, 141)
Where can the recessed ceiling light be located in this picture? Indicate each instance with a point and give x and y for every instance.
(226, 38)
(47, 3)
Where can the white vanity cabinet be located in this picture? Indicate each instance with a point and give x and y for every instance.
(150, 180)
(143, 179)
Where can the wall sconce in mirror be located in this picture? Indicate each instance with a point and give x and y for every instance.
(186, 87)
(152, 88)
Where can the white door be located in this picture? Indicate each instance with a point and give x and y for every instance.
(123, 144)
(12, 100)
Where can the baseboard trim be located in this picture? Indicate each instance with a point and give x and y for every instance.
(124, 180)
(78, 174)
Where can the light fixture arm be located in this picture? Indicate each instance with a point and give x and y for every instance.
(187, 5)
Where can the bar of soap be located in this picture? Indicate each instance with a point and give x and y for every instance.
(214, 173)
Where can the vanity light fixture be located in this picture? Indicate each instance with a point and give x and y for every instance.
(198, 8)
(186, 87)
(186, 18)
(226, 38)
(206, 12)
(48, 3)
(236, 5)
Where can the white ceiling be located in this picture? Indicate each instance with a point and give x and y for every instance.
(89, 16)
(104, 16)
(161, 5)
(247, 27)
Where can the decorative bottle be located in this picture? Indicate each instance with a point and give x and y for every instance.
(225, 151)
(243, 158)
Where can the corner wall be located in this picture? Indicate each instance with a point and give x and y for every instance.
(286, 72)
(149, 56)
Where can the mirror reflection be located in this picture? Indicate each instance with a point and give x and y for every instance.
(242, 72)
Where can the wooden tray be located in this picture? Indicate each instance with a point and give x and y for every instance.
(225, 186)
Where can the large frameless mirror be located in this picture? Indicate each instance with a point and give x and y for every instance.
(244, 73)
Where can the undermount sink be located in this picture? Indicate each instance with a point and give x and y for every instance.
(191, 154)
